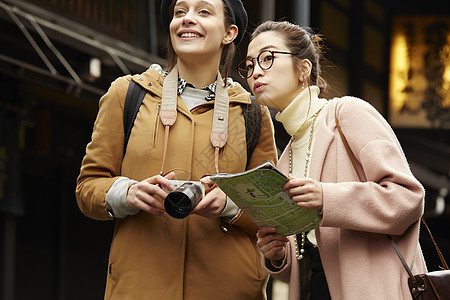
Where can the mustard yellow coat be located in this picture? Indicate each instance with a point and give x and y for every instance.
(162, 257)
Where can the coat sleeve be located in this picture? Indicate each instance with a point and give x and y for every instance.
(265, 150)
(102, 162)
(284, 273)
(390, 198)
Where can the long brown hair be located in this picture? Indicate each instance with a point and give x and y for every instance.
(228, 51)
(301, 41)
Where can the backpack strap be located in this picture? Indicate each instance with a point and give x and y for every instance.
(252, 118)
(133, 101)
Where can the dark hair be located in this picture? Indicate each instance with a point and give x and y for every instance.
(228, 51)
(303, 42)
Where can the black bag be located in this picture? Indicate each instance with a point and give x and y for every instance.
(136, 93)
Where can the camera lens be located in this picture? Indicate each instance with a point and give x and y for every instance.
(178, 205)
(180, 202)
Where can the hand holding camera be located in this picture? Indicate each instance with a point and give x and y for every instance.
(180, 202)
(196, 197)
(180, 197)
(212, 205)
(146, 195)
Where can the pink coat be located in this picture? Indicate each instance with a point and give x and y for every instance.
(358, 260)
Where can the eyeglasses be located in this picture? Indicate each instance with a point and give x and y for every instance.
(265, 61)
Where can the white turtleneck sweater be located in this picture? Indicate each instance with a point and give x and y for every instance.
(297, 118)
(297, 121)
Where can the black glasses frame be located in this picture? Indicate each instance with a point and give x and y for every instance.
(242, 66)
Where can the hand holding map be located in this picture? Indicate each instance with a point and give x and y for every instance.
(258, 193)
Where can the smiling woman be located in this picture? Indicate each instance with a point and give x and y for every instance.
(183, 125)
(231, 14)
(198, 35)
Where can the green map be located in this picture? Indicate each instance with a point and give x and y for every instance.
(258, 193)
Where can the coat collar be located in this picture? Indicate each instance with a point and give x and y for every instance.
(153, 78)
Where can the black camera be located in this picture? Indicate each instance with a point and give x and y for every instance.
(181, 201)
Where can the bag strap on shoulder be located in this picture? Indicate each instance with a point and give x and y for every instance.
(133, 101)
(252, 118)
(400, 256)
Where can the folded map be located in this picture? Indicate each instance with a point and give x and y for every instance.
(258, 193)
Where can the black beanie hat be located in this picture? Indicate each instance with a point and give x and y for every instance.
(238, 14)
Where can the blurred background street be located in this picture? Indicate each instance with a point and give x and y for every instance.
(57, 57)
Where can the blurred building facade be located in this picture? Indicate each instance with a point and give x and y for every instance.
(57, 57)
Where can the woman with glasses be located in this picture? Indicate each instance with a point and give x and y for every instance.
(191, 120)
(349, 256)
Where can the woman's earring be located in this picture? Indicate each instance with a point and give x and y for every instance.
(303, 82)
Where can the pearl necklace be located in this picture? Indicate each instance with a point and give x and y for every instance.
(299, 252)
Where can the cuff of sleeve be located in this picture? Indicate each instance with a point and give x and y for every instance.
(277, 265)
(116, 198)
(230, 210)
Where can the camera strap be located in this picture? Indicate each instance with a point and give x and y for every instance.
(168, 113)
(219, 132)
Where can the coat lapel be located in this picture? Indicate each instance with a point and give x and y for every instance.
(322, 142)
(321, 146)
(325, 135)
(283, 162)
